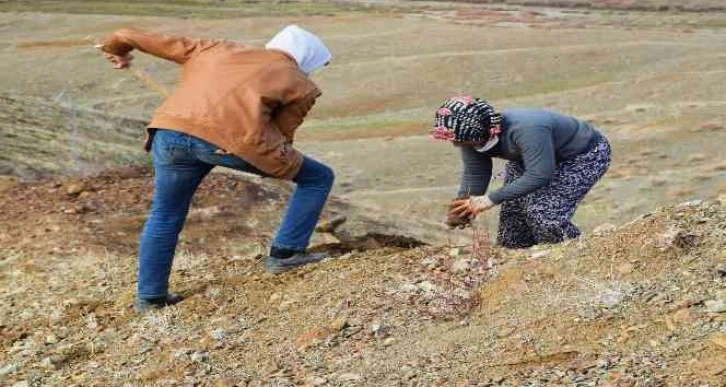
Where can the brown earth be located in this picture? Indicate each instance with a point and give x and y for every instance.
(631, 305)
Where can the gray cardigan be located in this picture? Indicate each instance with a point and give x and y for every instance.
(538, 139)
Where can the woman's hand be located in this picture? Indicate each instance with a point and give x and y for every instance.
(470, 207)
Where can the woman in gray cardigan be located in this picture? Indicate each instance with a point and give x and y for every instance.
(553, 162)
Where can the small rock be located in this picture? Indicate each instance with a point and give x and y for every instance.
(200, 357)
(180, 353)
(429, 262)
(611, 298)
(315, 380)
(427, 286)
(375, 328)
(9, 369)
(339, 324)
(389, 341)
(689, 204)
(718, 339)
(456, 252)
(275, 297)
(21, 384)
(74, 189)
(716, 306)
(408, 288)
(626, 268)
(229, 382)
(349, 377)
(676, 237)
(51, 339)
(219, 334)
(540, 254)
(48, 363)
(461, 266)
(604, 229)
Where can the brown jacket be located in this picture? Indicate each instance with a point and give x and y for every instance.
(248, 101)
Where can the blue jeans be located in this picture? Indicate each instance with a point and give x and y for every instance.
(181, 162)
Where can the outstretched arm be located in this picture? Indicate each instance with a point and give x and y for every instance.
(174, 48)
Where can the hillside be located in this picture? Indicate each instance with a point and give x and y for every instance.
(637, 304)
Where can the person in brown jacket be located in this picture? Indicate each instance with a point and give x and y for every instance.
(236, 106)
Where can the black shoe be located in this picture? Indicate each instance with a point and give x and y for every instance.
(142, 306)
(279, 265)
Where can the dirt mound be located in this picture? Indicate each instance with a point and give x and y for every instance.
(105, 213)
(640, 304)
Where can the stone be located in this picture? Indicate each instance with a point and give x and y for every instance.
(604, 229)
(427, 286)
(611, 298)
(716, 306)
(180, 353)
(9, 369)
(349, 377)
(456, 252)
(461, 266)
(75, 189)
(719, 339)
(200, 357)
(315, 380)
(219, 334)
(339, 324)
(408, 288)
(626, 268)
(229, 382)
(540, 254)
(429, 262)
(689, 204)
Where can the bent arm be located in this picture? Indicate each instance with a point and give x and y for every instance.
(289, 117)
(174, 48)
(476, 173)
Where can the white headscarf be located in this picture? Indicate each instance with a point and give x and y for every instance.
(307, 49)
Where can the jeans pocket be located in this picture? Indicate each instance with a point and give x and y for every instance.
(170, 148)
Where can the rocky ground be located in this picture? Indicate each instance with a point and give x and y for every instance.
(635, 304)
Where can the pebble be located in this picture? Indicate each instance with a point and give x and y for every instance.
(604, 229)
(716, 306)
(200, 357)
(219, 334)
(179, 353)
(427, 286)
(349, 377)
(339, 324)
(611, 298)
(75, 188)
(9, 369)
(461, 266)
(456, 252)
(315, 380)
(408, 288)
(540, 254)
(430, 262)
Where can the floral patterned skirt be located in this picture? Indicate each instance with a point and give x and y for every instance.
(544, 216)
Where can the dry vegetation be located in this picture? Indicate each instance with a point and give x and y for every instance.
(636, 305)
